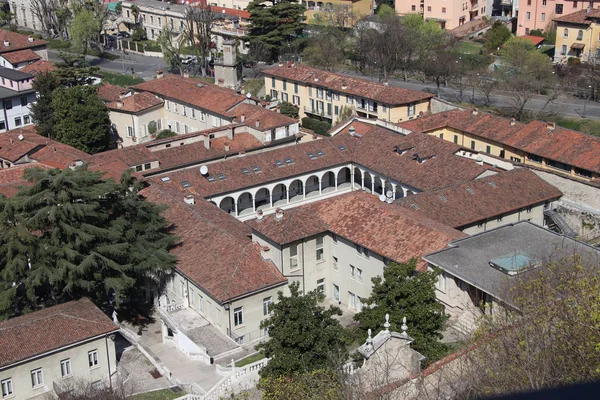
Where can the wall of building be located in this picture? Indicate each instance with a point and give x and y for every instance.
(535, 214)
(538, 14)
(18, 115)
(449, 14)
(568, 35)
(139, 123)
(51, 368)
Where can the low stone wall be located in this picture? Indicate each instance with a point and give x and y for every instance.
(439, 105)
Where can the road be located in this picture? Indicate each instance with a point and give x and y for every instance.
(146, 67)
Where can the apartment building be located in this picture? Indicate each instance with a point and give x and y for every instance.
(449, 14)
(538, 144)
(539, 14)
(16, 94)
(17, 51)
(45, 350)
(324, 95)
(479, 270)
(578, 36)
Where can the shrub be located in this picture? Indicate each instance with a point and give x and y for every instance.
(58, 44)
(288, 109)
(318, 127)
(139, 34)
(164, 134)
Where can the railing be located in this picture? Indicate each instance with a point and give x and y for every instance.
(250, 368)
(173, 307)
(371, 110)
(229, 31)
(316, 111)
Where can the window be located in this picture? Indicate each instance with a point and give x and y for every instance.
(296, 88)
(441, 136)
(284, 97)
(321, 285)
(411, 109)
(284, 85)
(472, 145)
(362, 251)
(352, 272)
(37, 378)
(177, 127)
(534, 158)
(26, 119)
(580, 35)
(441, 282)
(24, 101)
(336, 96)
(413, 8)
(310, 90)
(428, 8)
(563, 49)
(544, 2)
(443, 10)
(488, 149)
(349, 99)
(336, 292)
(238, 316)
(93, 358)
(267, 301)
(527, 15)
(335, 263)
(273, 82)
(319, 93)
(574, 4)
(559, 165)
(65, 367)
(183, 112)
(273, 94)
(7, 387)
(7, 104)
(130, 131)
(296, 100)
(2, 125)
(294, 257)
(455, 139)
(18, 121)
(559, 9)
(543, 16)
(152, 20)
(175, 107)
(320, 256)
(359, 275)
(359, 304)
(583, 172)
(352, 300)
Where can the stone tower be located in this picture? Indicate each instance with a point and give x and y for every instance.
(226, 70)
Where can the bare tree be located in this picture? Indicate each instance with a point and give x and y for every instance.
(171, 44)
(200, 22)
(44, 11)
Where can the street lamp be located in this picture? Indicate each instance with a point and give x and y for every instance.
(585, 99)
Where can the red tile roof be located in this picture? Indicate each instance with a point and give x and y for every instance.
(534, 39)
(386, 229)
(559, 144)
(196, 93)
(581, 17)
(20, 56)
(130, 156)
(135, 103)
(108, 92)
(380, 92)
(482, 199)
(375, 150)
(216, 250)
(16, 41)
(231, 11)
(254, 113)
(39, 148)
(11, 179)
(39, 66)
(50, 329)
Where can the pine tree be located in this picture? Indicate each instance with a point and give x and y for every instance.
(277, 25)
(304, 336)
(81, 119)
(402, 292)
(71, 234)
(41, 111)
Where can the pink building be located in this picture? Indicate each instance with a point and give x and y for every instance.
(537, 14)
(449, 13)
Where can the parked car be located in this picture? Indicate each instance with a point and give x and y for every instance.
(123, 35)
(188, 59)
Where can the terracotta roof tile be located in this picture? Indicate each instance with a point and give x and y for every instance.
(52, 328)
(39, 66)
(216, 250)
(20, 56)
(535, 40)
(254, 113)
(386, 229)
(18, 42)
(486, 198)
(186, 90)
(135, 103)
(581, 17)
(11, 179)
(130, 156)
(108, 92)
(231, 11)
(392, 95)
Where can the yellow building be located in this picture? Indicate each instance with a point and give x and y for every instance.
(578, 36)
(359, 8)
(325, 95)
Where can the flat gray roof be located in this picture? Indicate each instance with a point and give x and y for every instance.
(469, 258)
(14, 74)
(8, 94)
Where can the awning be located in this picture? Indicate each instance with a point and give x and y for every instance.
(578, 46)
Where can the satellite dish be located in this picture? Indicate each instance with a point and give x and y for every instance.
(20, 137)
(390, 200)
(249, 95)
(204, 170)
(382, 197)
(389, 194)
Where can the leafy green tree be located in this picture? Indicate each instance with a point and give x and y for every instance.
(496, 37)
(166, 133)
(81, 119)
(139, 34)
(42, 112)
(72, 234)
(84, 30)
(402, 292)
(385, 11)
(318, 384)
(304, 336)
(276, 23)
(289, 109)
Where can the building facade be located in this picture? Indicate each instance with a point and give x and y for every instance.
(449, 14)
(16, 93)
(578, 36)
(325, 95)
(539, 14)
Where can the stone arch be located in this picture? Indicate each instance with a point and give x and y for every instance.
(311, 185)
(343, 176)
(262, 199)
(328, 182)
(245, 203)
(357, 177)
(368, 181)
(228, 204)
(279, 194)
(296, 189)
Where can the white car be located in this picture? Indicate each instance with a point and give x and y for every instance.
(188, 59)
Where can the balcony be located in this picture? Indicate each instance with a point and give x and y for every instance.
(315, 111)
(367, 109)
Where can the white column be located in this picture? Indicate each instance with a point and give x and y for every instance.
(336, 182)
(287, 192)
(236, 208)
(321, 186)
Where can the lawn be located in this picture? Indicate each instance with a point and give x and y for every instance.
(120, 79)
(589, 126)
(163, 394)
(466, 47)
(249, 360)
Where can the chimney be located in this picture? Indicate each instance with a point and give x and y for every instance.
(258, 123)
(186, 74)
(316, 79)
(589, 8)
(278, 213)
(230, 133)
(227, 147)
(6, 43)
(159, 74)
(386, 83)
(344, 87)
(475, 111)
(207, 142)
(119, 104)
(30, 38)
(479, 160)
(513, 122)
(189, 199)
(243, 118)
(259, 215)
(551, 126)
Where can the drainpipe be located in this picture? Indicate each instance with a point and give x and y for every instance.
(228, 307)
(187, 285)
(108, 359)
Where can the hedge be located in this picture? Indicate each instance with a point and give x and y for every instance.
(319, 127)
